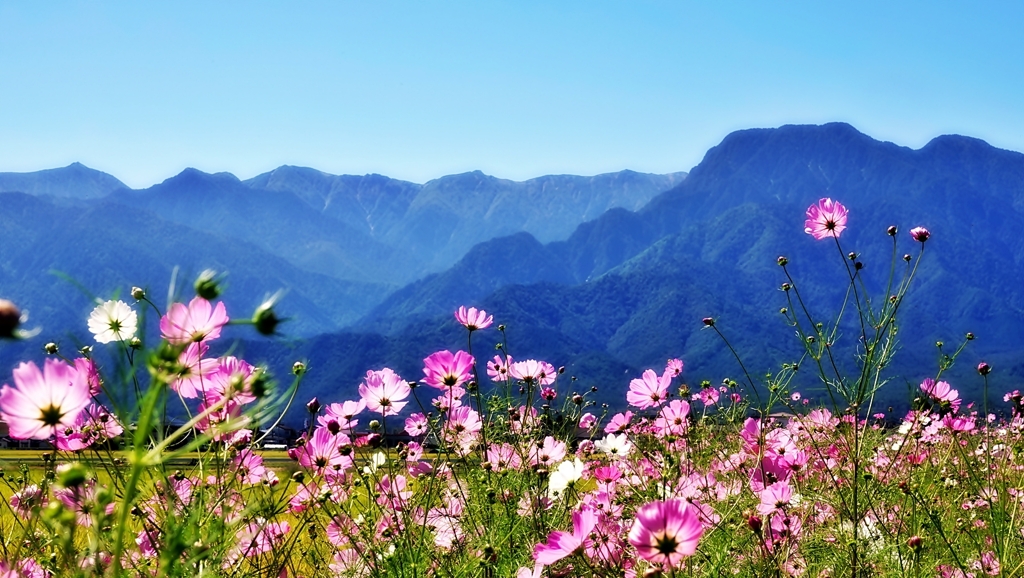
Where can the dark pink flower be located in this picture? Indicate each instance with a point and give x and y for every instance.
(473, 319)
(665, 532)
(920, 234)
(196, 322)
(444, 369)
(827, 218)
(321, 453)
(42, 401)
(563, 544)
(497, 369)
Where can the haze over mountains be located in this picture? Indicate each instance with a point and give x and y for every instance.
(607, 275)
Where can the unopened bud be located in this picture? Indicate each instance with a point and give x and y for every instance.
(984, 368)
(755, 524)
(851, 255)
(298, 368)
(138, 293)
(920, 234)
(709, 321)
(970, 336)
(786, 287)
(906, 257)
(265, 319)
(313, 405)
(891, 231)
(135, 343)
(915, 542)
(782, 261)
(858, 265)
(10, 318)
(374, 425)
(207, 285)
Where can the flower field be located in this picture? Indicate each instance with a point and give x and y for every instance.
(510, 470)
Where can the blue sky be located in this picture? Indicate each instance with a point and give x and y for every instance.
(417, 90)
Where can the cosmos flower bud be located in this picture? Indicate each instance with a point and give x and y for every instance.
(138, 293)
(984, 368)
(891, 231)
(754, 523)
(374, 425)
(709, 321)
(782, 261)
(920, 234)
(970, 336)
(298, 368)
(312, 405)
(10, 318)
(915, 542)
(264, 319)
(906, 257)
(50, 348)
(207, 285)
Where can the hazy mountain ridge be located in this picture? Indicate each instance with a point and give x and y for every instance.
(73, 181)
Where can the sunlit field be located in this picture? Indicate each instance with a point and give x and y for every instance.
(524, 476)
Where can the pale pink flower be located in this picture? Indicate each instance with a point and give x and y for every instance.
(444, 369)
(674, 367)
(197, 322)
(503, 457)
(342, 414)
(941, 392)
(665, 532)
(43, 401)
(775, 497)
(383, 392)
(649, 391)
(416, 424)
(619, 423)
(195, 371)
(827, 218)
(534, 372)
(672, 421)
(473, 319)
(551, 451)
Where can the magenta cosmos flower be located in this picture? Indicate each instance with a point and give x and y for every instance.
(196, 322)
(827, 218)
(563, 544)
(473, 319)
(43, 400)
(665, 532)
(920, 234)
(443, 369)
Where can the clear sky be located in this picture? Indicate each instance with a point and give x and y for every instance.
(518, 89)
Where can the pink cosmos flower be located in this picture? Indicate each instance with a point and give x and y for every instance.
(473, 319)
(620, 422)
(649, 391)
(342, 414)
(196, 322)
(416, 424)
(941, 392)
(195, 370)
(321, 453)
(563, 544)
(444, 369)
(383, 392)
(775, 497)
(672, 421)
(532, 371)
(827, 218)
(674, 367)
(94, 425)
(42, 401)
(497, 369)
(665, 532)
(503, 457)
(920, 234)
(234, 377)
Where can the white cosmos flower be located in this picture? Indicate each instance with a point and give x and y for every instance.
(567, 474)
(614, 445)
(113, 321)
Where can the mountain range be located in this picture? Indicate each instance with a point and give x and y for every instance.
(606, 275)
